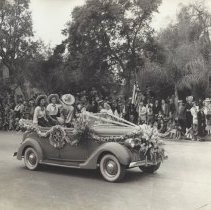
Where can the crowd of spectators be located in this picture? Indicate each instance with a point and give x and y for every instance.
(174, 119)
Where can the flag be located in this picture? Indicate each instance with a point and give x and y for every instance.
(135, 94)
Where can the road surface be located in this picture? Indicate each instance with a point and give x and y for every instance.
(182, 182)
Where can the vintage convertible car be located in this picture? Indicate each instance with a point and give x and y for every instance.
(96, 141)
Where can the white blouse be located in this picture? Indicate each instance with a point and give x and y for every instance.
(38, 113)
(53, 109)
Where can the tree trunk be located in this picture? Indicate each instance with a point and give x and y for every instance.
(128, 84)
(24, 90)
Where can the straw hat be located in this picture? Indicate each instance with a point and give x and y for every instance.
(53, 96)
(207, 100)
(39, 98)
(68, 99)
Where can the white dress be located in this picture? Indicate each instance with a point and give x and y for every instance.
(194, 112)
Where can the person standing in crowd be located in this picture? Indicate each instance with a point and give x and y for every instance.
(142, 113)
(182, 116)
(149, 103)
(1, 115)
(150, 116)
(95, 107)
(128, 109)
(134, 115)
(18, 113)
(130, 112)
(165, 113)
(164, 108)
(92, 106)
(89, 107)
(7, 111)
(53, 109)
(208, 118)
(172, 110)
(156, 109)
(31, 108)
(40, 115)
(18, 110)
(116, 108)
(201, 122)
(93, 94)
(194, 112)
(189, 117)
(80, 107)
(26, 110)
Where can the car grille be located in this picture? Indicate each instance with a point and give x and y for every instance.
(136, 156)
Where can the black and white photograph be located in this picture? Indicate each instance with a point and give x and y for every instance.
(105, 105)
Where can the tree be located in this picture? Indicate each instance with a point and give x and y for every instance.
(46, 70)
(187, 48)
(16, 45)
(111, 37)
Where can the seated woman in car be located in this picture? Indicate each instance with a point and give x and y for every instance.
(53, 109)
(40, 115)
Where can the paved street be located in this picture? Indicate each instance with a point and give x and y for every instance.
(183, 182)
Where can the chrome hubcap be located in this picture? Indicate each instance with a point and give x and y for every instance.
(32, 158)
(111, 167)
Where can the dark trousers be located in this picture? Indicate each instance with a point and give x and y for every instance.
(182, 123)
(43, 122)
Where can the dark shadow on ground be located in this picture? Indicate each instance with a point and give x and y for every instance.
(130, 176)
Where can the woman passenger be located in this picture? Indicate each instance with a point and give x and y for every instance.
(40, 116)
(53, 109)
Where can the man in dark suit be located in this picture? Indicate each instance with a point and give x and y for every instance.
(201, 122)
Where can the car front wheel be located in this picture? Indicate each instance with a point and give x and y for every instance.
(150, 169)
(111, 169)
(31, 158)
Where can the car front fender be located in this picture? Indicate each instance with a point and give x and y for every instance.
(29, 142)
(118, 150)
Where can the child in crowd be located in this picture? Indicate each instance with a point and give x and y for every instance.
(173, 131)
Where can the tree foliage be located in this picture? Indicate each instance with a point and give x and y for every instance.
(187, 48)
(16, 44)
(110, 39)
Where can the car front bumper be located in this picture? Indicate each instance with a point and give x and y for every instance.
(146, 163)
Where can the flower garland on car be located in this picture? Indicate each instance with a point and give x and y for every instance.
(57, 134)
(120, 139)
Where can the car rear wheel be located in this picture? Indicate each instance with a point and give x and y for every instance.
(150, 169)
(31, 158)
(111, 169)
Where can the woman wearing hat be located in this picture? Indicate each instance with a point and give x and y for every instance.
(67, 109)
(53, 109)
(40, 116)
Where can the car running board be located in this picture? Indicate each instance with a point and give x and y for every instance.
(61, 164)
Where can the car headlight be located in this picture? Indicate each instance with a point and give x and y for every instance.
(131, 143)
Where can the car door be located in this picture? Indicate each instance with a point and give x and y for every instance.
(80, 152)
(49, 152)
